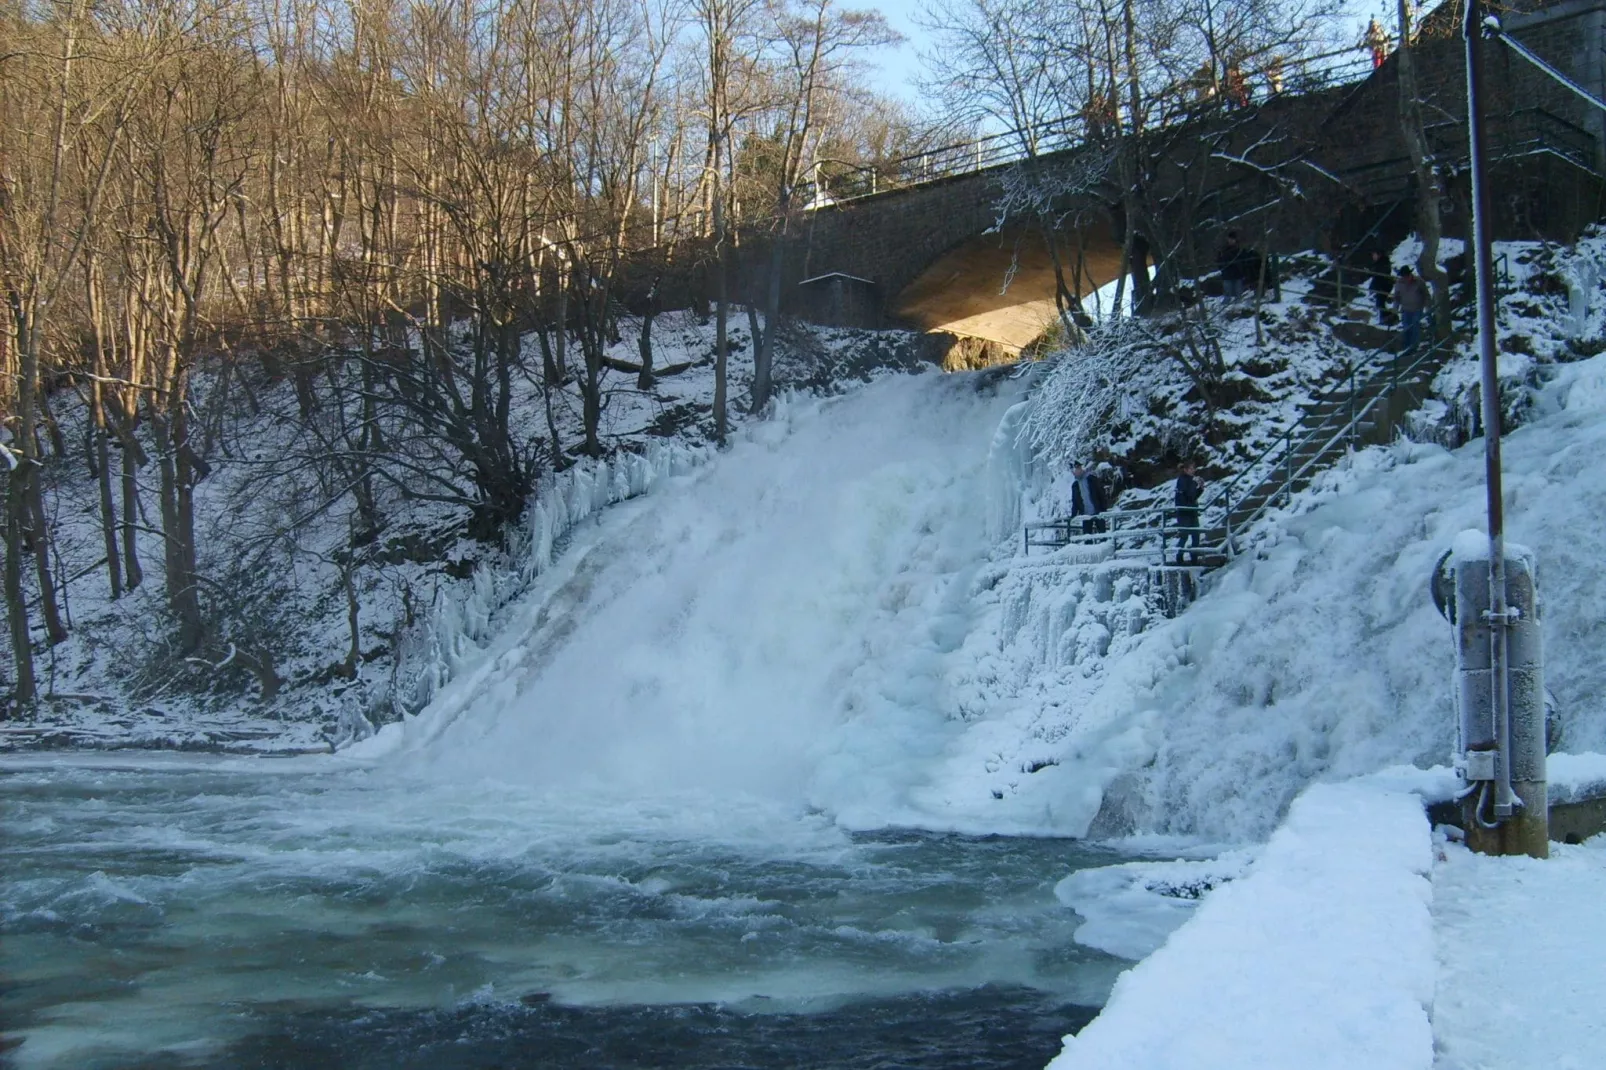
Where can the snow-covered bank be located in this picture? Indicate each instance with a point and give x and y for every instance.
(1322, 957)
(1331, 950)
(1318, 656)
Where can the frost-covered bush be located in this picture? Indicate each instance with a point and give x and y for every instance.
(1082, 395)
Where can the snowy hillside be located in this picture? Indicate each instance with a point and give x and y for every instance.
(275, 556)
(1318, 656)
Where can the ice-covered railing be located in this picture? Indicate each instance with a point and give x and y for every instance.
(460, 621)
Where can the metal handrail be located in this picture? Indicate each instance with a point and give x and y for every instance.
(1144, 532)
(1343, 433)
(1129, 532)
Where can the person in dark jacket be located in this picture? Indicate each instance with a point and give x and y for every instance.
(1087, 499)
(1231, 263)
(1381, 284)
(1189, 489)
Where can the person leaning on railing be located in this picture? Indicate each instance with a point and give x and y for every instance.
(1189, 489)
(1087, 500)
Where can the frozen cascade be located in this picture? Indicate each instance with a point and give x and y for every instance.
(777, 623)
(834, 613)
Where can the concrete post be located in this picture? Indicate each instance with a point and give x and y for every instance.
(1499, 743)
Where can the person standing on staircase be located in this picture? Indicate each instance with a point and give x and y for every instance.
(1087, 500)
(1411, 297)
(1189, 489)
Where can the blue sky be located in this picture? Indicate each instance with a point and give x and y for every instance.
(894, 70)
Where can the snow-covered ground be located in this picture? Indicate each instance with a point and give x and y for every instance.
(1321, 957)
(1520, 944)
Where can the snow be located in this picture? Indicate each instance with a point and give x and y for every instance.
(1317, 656)
(1322, 956)
(1575, 777)
(1520, 943)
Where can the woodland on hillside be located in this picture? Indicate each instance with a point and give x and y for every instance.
(413, 217)
(377, 202)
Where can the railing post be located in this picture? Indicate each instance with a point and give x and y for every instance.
(1352, 404)
(1226, 522)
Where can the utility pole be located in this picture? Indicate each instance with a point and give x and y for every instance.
(1502, 712)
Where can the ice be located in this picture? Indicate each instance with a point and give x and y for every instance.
(1130, 909)
(775, 624)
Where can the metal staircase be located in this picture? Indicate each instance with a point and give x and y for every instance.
(1368, 407)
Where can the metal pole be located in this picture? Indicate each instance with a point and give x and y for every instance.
(1507, 803)
(1352, 406)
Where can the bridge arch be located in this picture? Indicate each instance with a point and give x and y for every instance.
(930, 257)
(995, 292)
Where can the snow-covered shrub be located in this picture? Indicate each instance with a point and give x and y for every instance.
(1085, 391)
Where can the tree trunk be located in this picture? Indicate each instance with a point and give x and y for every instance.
(644, 378)
(16, 601)
(1428, 223)
(354, 651)
(98, 445)
(764, 348)
(108, 509)
(55, 629)
(133, 574)
(29, 508)
(560, 341)
(721, 312)
(178, 527)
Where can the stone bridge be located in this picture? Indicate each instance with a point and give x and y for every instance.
(931, 255)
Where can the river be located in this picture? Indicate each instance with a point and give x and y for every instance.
(172, 910)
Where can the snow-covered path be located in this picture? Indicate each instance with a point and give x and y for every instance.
(1520, 946)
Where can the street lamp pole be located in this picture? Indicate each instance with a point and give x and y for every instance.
(1524, 815)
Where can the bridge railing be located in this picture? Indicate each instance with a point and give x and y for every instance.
(832, 182)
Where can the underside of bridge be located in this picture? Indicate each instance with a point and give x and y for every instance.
(964, 292)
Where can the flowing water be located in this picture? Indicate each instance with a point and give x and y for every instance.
(649, 827)
(230, 913)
